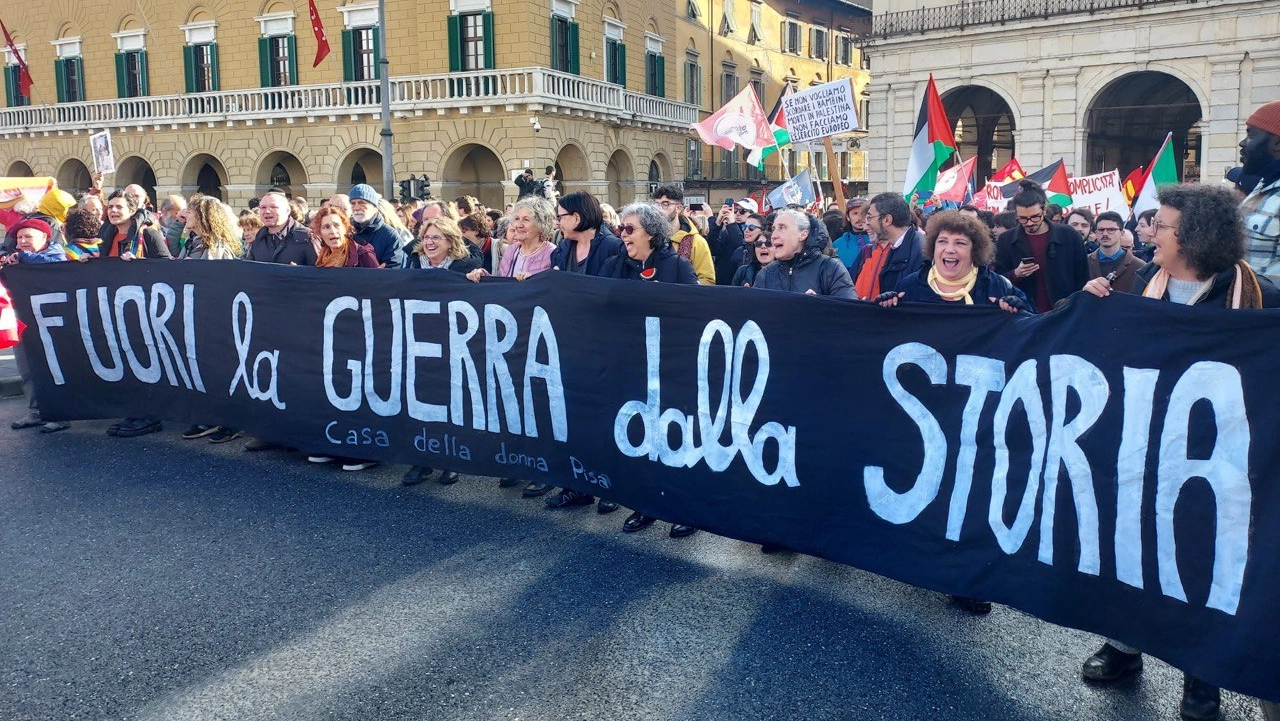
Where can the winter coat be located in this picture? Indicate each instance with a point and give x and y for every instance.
(293, 246)
(1126, 271)
(746, 274)
(904, 259)
(51, 254)
(849, 245)
(699, 255)
(463, 265)
(915, 289)
(1068, 266)
(809, 269)
(360, 255)
(604, 245)
(384, 239)
(667, 267)
(152, 242)
(723, 242)
(1218, 289)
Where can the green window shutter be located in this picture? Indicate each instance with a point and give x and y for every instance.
(60, 77)
(292, 44)
(213, 67)
(144, 77)
(573, 48)
(80, 78)
(264, 61)
(189, 67)
(348, 55)
(9, 86)
(377, 52)
(454, 23)
(662, 76)
(622, 64)
(122, 85)
(555, 44)
(487, 20)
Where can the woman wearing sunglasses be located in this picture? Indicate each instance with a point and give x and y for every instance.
(646, 235)
(760, 250)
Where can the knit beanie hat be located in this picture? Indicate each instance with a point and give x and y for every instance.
(1266, 118)
(34, 224)
(364, 192)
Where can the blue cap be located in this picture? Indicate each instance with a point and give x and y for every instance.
(364, 192)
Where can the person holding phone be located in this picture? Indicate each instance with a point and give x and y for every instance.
(726, 238)
(1046, 260)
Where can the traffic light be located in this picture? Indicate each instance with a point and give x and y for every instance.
(424, 187)
(406, 190)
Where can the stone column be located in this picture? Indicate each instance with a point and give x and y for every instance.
(1061, 112)
(1223, 125)
(1032, 139)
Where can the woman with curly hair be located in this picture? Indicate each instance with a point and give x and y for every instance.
(530, 230)
(213, 231)
(1198, 236)
(338, 247)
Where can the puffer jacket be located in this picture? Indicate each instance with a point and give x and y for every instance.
(809, 269)
(662, 266)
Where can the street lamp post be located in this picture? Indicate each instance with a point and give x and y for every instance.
(384, 77)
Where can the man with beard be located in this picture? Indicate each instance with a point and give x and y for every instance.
(1260, 156)
(370, 228)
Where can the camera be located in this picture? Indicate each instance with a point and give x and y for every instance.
(537, 126)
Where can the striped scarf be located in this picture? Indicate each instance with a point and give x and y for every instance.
(1245, 292)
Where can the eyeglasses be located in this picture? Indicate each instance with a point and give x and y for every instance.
(1160, 225)
(750, 226)
(739, 210)
(665, 204)
(435, 238)
(627, 229)
(563, 215)
(1031, 218)
(762, 244)
(1108, 230)
(872, 218)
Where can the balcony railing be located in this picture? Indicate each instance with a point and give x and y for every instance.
(988, 12)
(524, 86)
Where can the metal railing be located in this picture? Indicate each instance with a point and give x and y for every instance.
(423, 92)
(987, 12)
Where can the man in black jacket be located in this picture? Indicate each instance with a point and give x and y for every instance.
(1045, 260)
(280, 240)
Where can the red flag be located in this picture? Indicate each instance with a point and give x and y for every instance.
(953, 183)
(10, 327)
(322, 41)
(740, 122)
(24, 77)
(1133, 183)
(1012, 170)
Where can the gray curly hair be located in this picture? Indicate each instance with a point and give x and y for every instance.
(652, 219)
(544, 214)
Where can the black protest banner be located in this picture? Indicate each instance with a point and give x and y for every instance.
(1111, 466)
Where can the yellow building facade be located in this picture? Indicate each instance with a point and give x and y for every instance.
(221, 96)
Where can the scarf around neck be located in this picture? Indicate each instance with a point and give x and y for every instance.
(1245, 291)
(967, 281)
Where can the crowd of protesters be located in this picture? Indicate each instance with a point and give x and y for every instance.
(1029, 259)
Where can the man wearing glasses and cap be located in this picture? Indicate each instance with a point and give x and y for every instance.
(726, 239)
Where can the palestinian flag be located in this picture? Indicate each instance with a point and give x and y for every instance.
(1163, 171)
(932, 146)
(781, 138)
(1054, 181)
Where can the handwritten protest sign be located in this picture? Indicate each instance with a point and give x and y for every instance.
(1099, 193)
(821, 111)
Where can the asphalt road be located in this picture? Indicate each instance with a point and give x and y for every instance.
(157, 578)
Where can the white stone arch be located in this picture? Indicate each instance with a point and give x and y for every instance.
(1100, 83)
(73, 174)
(947, 85)
(19, 168)
(573, 165)
(293, 167)
(195, 179)
(620, 174)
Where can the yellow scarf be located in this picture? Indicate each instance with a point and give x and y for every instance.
(968, 280)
